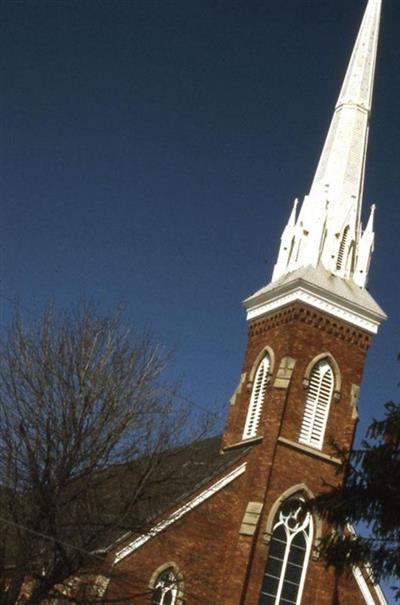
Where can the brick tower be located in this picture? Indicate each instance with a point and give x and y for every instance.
(309, 330)
(235, 537)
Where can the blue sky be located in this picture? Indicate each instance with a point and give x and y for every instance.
(151, 152)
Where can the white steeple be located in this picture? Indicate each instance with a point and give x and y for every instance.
(328, 227)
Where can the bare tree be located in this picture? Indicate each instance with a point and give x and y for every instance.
(86, 424)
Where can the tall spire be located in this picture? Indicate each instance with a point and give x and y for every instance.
(328, 228)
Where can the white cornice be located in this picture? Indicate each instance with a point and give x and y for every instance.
(302, 294)
(317, 287)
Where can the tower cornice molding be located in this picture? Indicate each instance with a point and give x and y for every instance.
(327, 293)
(301, 312)
(321, 303)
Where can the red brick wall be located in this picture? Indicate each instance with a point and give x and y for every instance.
(219, 565)
(200, 544)
(213, 557)
(302, 333)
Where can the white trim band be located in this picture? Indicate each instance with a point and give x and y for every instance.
(365, 591)
(381, 597)
(319, 302)
(180, 512)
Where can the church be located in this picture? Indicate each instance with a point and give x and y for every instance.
(236, 536)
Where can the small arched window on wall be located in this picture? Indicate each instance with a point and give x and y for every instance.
(316, 411)
(257, 398)
(289, 551)
(166, 586)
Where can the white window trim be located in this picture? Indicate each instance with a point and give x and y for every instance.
(310, 539)
(257, 398)
(309, 543)
(179, 513)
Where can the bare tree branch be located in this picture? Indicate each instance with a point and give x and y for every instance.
(86, 423)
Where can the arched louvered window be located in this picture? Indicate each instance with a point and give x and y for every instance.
(290, 252)
(298, 250)
(166, 588)
(349, 268)
(318, 400)
(342, 249)
(289, 551)
(257, 398)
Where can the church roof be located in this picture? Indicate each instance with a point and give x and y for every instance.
(180, 473)
(170, 478)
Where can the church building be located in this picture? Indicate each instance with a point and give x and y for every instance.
(235, 537)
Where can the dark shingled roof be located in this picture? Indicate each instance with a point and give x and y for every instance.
(125, 500)
(179, 473)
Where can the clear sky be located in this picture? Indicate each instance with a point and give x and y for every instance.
(151, 151)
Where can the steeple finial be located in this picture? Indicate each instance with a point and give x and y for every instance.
(328, 228)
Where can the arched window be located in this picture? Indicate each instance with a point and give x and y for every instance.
(318, 400)
(290, 252)
(165, 588)
(342, 249)
(349, 268)
(257, 398)
(298, 250)
(289, 551)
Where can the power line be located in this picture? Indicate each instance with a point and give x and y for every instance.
(47, 537)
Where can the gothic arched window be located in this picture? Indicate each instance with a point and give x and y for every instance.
(289, 551)
(165, 588)
(257, 398)
(320, 390)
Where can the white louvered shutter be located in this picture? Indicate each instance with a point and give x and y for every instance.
(257, 399)
(317, 405)
(342, 249)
